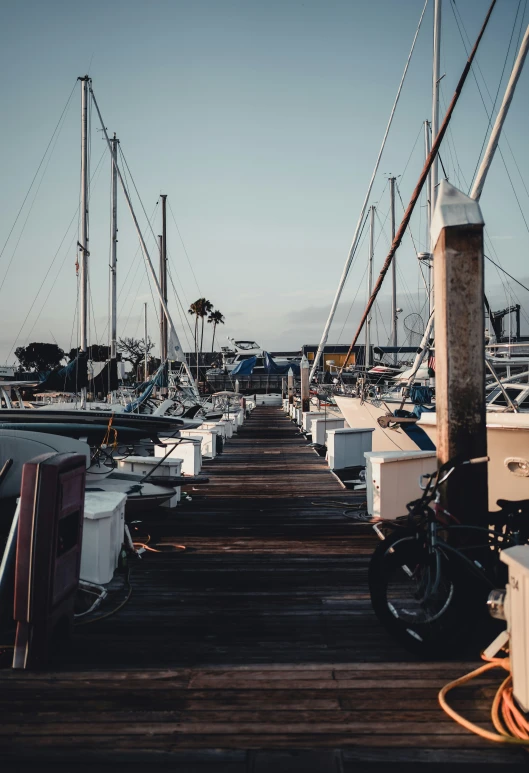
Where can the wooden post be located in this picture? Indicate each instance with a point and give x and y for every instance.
(457, 233)
(305, 392)
(283, 388)
(290, 386)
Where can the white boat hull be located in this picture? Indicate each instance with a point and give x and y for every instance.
(363, 415)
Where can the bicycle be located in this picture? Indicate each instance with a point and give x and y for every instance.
(425, 584)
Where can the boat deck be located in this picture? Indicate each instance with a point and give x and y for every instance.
(255, 650)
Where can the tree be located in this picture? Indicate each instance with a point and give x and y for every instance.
(133, 350)
(39, 356)
(96, 353)
(217, 318)
(200, 309)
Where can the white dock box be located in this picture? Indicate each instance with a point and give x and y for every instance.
(103, 532)
(168, 468)
(188, 450)
(208, 439)
(321, 426)
(393, 480)
(231, 419)
(228, 428)
(219, 426)
(346, 447)
(309, 417)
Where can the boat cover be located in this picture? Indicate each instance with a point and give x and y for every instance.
(280, 370)
(244, 367)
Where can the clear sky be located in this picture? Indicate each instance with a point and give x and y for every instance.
(261, 121)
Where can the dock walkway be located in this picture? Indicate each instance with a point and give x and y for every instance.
(254, 651)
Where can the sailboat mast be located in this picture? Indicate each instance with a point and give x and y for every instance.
(175, 343)
(113, 250)
(145, 338)
(163, 279)
(435, 95)
(370, 284)
(83, 244)
(394, 320)
(426, 256)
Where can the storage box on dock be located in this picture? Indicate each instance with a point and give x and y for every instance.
(103, 530)
(393, 480)
(208, 439)
(321, 426)
(167, 468)
(309, 417)
(346, 447)
(186, 449)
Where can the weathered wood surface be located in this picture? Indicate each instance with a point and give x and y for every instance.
(254, 650)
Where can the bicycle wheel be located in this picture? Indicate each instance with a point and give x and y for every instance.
(416, 594)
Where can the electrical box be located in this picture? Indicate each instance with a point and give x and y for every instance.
(517, 615)
(48, 553)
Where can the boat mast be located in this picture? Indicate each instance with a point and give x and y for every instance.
(420, 183)
(146, 376)
(481, 176)
(356, 236)
(370, 285)
(163, 279)
(83, 244)
(175, 343)
(113, 250)
(435, 96)
(394, 319)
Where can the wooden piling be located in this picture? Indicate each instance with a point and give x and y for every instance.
(457, 232)
(290, 386)
(305, 392)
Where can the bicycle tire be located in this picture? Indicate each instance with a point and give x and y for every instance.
(427, 623)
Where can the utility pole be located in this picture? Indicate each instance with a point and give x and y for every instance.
(370, 285)
(83, 244)
(145, 334)
(113, 250)
(394, 317)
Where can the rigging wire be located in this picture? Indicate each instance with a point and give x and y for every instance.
(506, 272)
(487, 113)
(497, 94)
(48, 272)
(38, 168)
(183, 245)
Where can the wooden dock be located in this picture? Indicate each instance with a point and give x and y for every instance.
(253, 651)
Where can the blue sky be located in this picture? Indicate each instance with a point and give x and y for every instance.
(261, 121)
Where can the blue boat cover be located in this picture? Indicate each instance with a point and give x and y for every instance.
(244, 367)
(279, 370)
(69, 378)
(157, 380)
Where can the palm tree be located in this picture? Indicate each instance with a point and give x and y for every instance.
(207, 308)
(200, 308)
(218, 319)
